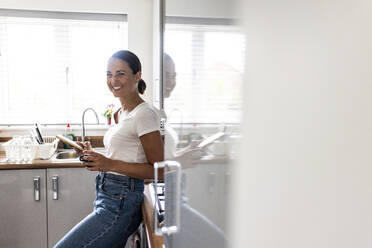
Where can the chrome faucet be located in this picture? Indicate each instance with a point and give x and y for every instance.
(83, 124)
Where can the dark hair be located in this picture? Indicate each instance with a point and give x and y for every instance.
(134, 64)
(168, 58)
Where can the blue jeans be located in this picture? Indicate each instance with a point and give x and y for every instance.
(117, 214)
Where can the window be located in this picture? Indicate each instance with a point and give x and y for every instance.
(51, 69)
(209, 61)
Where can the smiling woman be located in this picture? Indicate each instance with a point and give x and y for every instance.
(121, 74)
(132, 147)
(44, 67)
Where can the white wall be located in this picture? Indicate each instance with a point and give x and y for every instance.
(194, 8)
(200, 8)
(304, 179)
(112, 6)
(140, 36)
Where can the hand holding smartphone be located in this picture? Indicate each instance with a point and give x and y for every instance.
(87, 146)
(78, 147)
(85, 158)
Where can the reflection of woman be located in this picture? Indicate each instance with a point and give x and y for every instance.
(196, 229)
(132, 146)
(171, 137)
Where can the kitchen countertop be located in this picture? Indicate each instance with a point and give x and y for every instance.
(75, 163)
(39, 163)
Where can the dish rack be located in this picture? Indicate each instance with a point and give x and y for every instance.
(17, 152)
(46, 150)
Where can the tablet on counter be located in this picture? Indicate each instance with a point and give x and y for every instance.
(69, 142)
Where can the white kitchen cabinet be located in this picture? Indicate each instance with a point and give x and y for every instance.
(31, 223)
(70, 201)
(23, 220)
(206, 186)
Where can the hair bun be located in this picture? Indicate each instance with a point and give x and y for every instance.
(141, 86)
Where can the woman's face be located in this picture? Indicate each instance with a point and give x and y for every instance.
(170, 78)
(120, 78)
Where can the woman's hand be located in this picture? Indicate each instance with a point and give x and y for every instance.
(86, 146)
(189, 155)
(192, 151)
(97, 161)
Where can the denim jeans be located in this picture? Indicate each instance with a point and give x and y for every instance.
(116, 215)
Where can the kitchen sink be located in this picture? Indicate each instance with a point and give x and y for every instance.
(71, 154)
(67, 155)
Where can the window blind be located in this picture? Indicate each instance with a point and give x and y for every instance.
(209, 61)
(52, 69)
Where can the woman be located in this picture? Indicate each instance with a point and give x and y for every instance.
(170, 136)
(132, 147)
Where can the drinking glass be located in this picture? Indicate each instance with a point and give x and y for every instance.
(10, 151)
(27, 149)
(16, 147)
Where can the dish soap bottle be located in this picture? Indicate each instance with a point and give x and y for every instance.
(68, 134)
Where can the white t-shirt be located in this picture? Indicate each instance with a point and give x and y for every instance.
(122, 140)
(170, 138)
(170, 142)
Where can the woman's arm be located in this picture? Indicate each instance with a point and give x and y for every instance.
(154, 150)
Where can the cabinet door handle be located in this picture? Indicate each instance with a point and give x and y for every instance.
(55, 187)
(172, 181)
(227, 182)
(212, 182)
(37, 188)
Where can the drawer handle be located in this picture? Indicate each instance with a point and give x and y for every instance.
(37, 188)
(55, 187)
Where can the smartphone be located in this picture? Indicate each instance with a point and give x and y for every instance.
(81, 158)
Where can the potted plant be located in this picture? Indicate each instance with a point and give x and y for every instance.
(108, 113)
